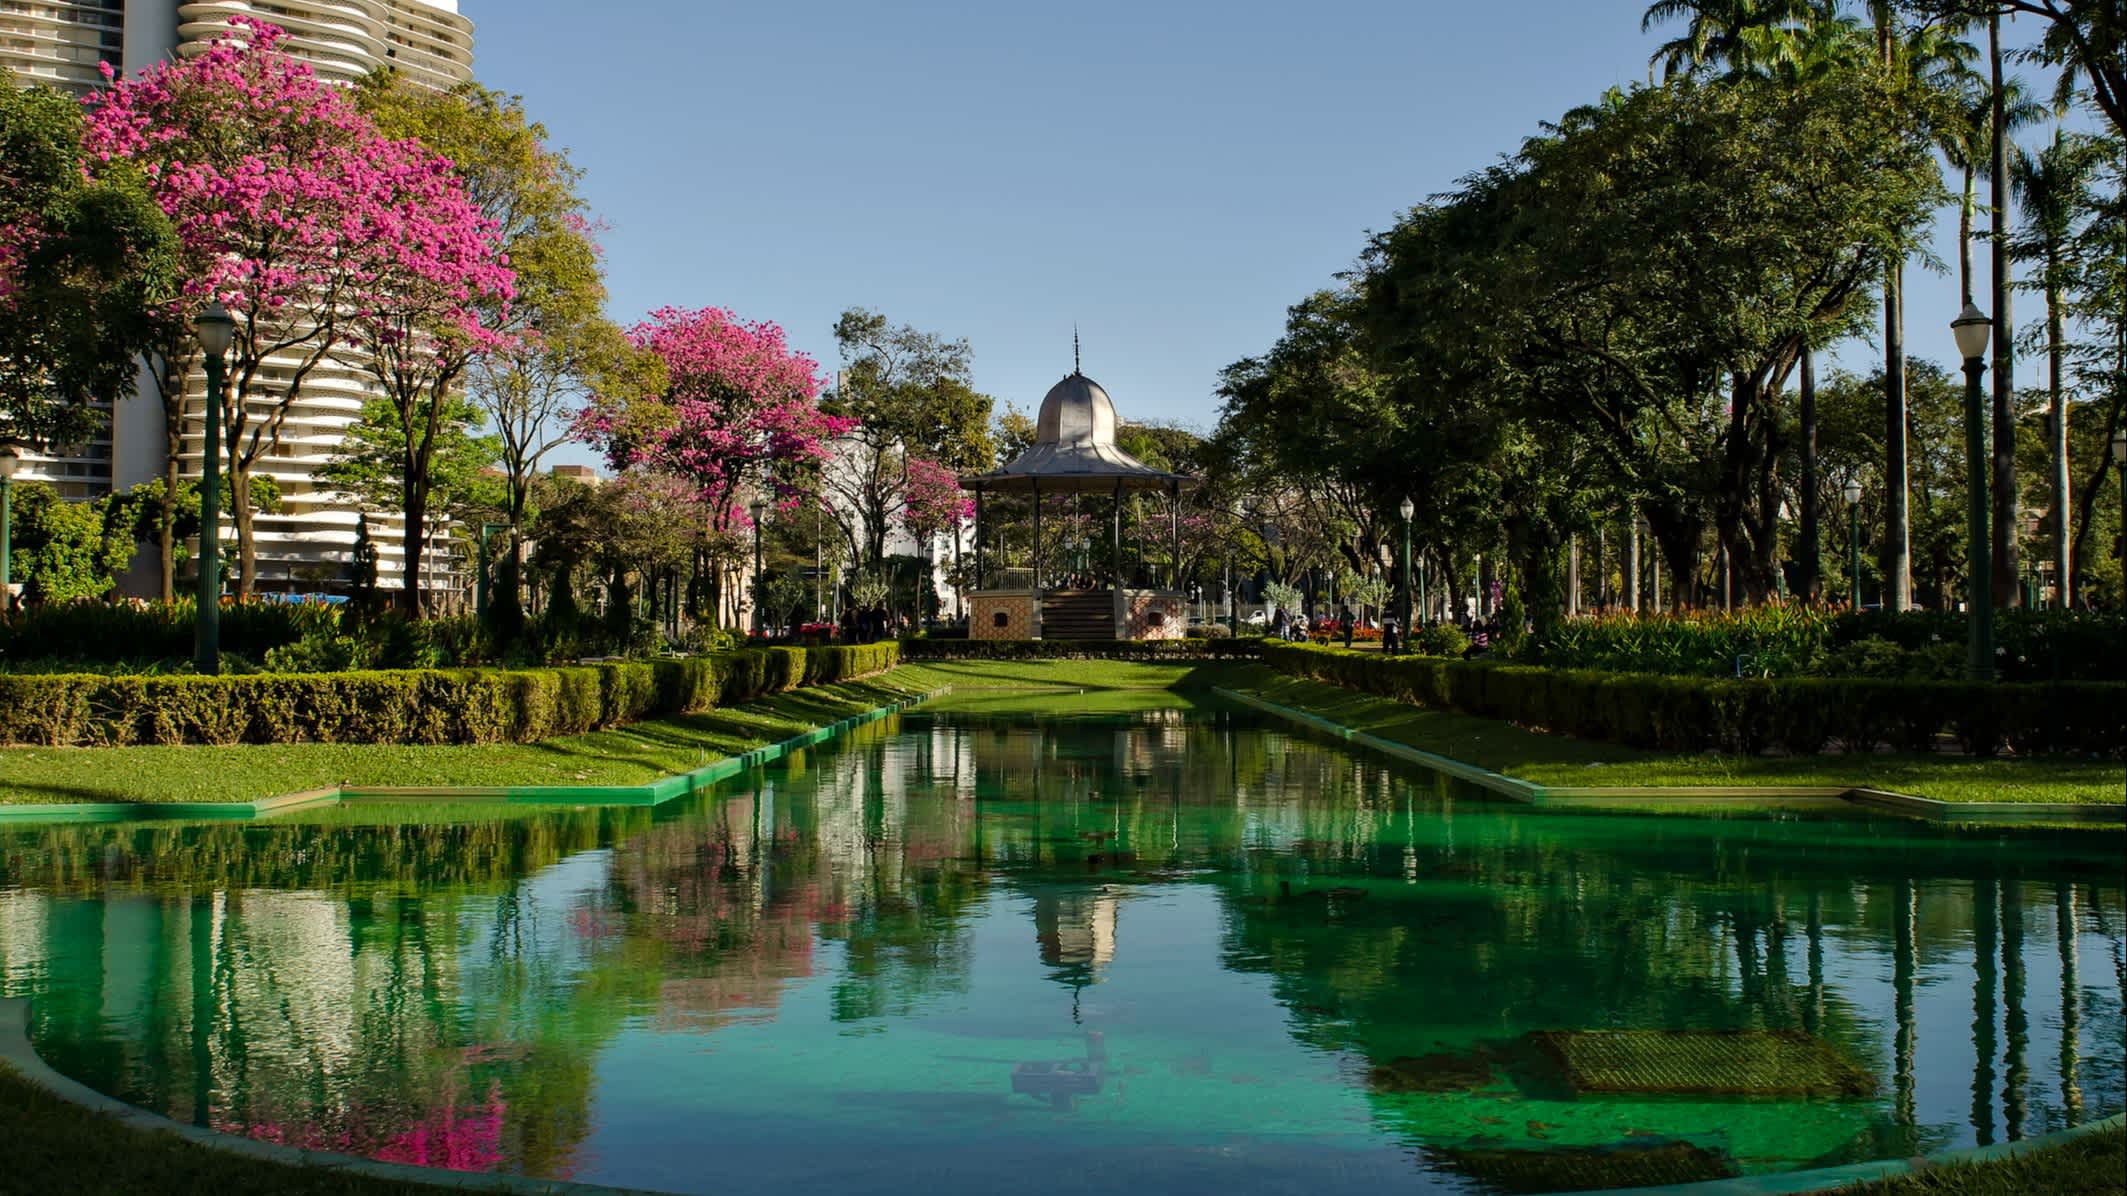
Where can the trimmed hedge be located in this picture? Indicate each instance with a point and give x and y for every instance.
(1748, 715)
(1187, 649)
(413, 706)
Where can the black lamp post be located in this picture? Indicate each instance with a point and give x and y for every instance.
(1973, 329)
(1407, 509)
(1852, 493)
(759, 510)
(214, 329)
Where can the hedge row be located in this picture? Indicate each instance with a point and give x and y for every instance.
(412, 706)
(1800, 715)
(1186, 649)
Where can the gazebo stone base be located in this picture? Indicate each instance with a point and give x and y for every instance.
(1152, 614)
(1138, 614)
(1003, 615)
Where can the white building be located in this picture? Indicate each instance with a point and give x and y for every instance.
(60, 43)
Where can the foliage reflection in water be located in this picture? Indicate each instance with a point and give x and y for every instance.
(1169, 946)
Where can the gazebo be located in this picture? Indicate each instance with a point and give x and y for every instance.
(1074, 453)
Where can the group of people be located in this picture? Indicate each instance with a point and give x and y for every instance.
(1287, 626)
(870, 624)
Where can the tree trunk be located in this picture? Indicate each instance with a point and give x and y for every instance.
(1632, 560)
(413, 518)
(1897, 550)
(1964, 238)
(240, 513)
(2056, 348)
(1809, 559)
(2007, 594)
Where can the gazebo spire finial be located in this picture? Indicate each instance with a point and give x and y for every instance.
(1074, 347)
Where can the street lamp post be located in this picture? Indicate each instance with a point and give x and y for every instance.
(1406, 508)
(213, 328)
(8, 462)
(1852, 493)
(759, 510)
(1973, 329)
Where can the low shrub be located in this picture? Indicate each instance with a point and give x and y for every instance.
(405, 706)
(1743, 715)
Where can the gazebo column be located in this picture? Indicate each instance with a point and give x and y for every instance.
(978, 538)
(1115, 537)
(1037, 541)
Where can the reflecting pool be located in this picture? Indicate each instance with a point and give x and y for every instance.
(1154, 942)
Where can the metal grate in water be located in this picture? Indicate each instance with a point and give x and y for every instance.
(1785, 1063)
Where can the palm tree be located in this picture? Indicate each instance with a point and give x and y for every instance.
(1746, 37)
(2054, 188)
(1921, 64)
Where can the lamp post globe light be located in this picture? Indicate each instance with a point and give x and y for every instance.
(8, 463)
(759, 510)
(1851, 494)
(214, 329)
(1407, 509)
(1973, 330)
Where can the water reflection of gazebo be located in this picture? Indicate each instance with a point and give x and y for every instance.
(1075, 453)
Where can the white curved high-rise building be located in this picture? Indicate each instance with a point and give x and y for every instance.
(61, 43)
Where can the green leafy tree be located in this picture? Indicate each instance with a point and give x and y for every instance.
(372, 466)
(913, 396)
(67, 551)
(85, 257)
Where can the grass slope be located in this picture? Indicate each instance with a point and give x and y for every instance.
(632, 755)
(2094, 1165)
(1560, 760)
(976, 675)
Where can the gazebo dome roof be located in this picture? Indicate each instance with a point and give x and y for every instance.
(1076, 411)
(1074, 449)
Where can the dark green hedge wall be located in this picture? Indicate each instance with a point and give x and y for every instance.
(1801, 715)
(413, 706)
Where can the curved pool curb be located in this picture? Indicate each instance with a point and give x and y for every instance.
(1530, 793)
(656, 793)
(1831, 1179)
(19, 1054)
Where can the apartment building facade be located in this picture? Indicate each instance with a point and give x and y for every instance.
(60, 43)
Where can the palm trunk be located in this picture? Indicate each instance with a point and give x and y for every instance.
(2056, 348)
(1810, 561)
(1964, 237)
(2007, 594)
(1897, 549)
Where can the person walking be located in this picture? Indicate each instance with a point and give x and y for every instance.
(1345, 621)
(1390, 635)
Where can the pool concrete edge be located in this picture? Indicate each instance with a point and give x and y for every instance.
(1530, 793)
(20, 1055)
(654, 793)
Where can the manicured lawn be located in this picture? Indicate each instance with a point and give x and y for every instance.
(2088, 1166)
(1060, 674)
(1559, 760)
(631, 755)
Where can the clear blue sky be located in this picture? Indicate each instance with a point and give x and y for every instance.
(1169, 176)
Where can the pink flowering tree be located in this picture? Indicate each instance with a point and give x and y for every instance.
(739, 415)
(290, 209)
(933, 504)
(433, 299)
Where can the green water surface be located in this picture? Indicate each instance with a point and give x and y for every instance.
(1135, 942)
